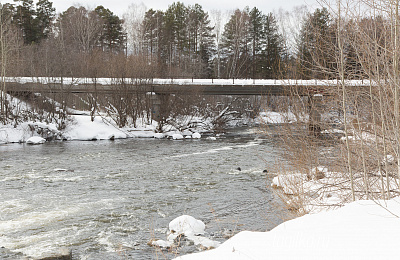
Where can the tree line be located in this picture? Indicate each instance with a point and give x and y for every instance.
(180, 41)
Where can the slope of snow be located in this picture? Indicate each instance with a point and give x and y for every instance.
(361, 230)
(323, 190)
(84, 129)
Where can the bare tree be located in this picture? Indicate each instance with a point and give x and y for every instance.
(8, 44)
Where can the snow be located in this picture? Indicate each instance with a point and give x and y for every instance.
(331, 228)
(358, 231)
(36, 140)
(82, 128)
(196, 136)
(189, 227)
(177, 137)
(323, 190)
(85, 129)
(270, 117)
(159, 135)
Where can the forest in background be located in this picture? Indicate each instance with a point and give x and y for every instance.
(182, 41)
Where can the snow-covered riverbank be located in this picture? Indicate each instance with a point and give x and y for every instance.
(331, 228)
(82, 128)
(358, 231)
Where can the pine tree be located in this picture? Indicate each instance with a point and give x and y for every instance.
(45, 14)
(201, 41)
(257, 34)
(235, 45)
(273, 52)
(35, 22)
(312, 46)
(113, 37)
(182, 38)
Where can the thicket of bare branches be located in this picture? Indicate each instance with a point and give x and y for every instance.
(360, 145)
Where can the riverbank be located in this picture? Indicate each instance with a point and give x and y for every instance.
(360, 230)
(330, 227)
(82, 128)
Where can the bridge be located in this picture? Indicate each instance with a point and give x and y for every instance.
(181, 86)
(312, 88)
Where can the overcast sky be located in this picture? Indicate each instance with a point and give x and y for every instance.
(120, 6)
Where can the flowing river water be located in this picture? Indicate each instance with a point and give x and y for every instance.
(107, 199)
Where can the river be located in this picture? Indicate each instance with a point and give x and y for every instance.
(107, 199)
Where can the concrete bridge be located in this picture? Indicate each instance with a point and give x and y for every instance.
(181, 86)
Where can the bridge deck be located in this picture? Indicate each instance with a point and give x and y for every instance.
(182, 86)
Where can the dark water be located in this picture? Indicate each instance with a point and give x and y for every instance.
(107, 199)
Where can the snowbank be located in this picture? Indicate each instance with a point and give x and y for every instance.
(84, 129)
(358, 231)
(322, 190)
(270, 117)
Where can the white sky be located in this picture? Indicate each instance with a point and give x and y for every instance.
(119, 7)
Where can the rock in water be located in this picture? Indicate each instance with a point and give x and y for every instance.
(35, 140)
(187, 225)
(196, 136)
(177, 136)
(6, 254)
(62, 254)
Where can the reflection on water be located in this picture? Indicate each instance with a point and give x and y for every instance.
(107, 199)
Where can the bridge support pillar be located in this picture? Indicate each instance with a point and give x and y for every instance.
(315, 106)
(155, 107)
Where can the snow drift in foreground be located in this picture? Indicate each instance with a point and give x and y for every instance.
(358, 231)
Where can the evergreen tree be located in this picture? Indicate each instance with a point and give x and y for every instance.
(35, 22)
(45, 14)
(175, 33)
(257, 34)
(313, 44)
(273, 52)
(151, 32)
(201, 41)
(235, 45)
(182, 38)
(113, 37)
